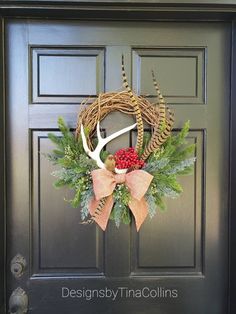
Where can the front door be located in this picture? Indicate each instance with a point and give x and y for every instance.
(177, 263)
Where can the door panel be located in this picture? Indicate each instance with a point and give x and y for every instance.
(181, 253)
(176, 233)
(53, 253)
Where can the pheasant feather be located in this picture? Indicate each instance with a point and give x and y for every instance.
(97, 212)
(162, 129)
(137, 110)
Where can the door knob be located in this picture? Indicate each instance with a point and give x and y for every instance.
(18, 265)
(18, 302)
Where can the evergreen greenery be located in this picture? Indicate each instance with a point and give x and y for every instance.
(120, 212)
(174, 158)
(75, 167)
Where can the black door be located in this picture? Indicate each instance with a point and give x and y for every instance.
(177, 263)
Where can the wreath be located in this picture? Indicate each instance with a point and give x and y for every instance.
(135, 180)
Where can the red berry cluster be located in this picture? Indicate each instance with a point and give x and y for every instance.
(128, 158)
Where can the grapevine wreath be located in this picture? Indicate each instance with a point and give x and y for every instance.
(133, 181)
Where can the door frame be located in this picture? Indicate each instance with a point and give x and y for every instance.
(125, 10)
(232, 183)
(2, 179)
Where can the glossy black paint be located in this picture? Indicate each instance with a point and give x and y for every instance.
(220, 10)
(121, 10)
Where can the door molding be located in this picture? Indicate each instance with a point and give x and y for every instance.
(2, 175)
(151, 10)
(232, 185)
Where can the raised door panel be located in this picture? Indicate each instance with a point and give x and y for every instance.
(65, 75)
(180, 244)
(181, 72)
(60, 243)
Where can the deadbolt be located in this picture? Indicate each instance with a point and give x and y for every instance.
(18, 265)
(18, 302)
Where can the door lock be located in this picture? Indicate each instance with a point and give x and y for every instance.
(18, 302)
(18, 265)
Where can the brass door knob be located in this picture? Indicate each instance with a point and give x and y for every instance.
(18, 266)
(18, 302)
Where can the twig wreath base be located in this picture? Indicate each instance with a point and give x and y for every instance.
(110, 102)
(132, 182)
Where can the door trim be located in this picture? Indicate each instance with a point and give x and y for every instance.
(232, 185)
(154, 10)
(2, 176)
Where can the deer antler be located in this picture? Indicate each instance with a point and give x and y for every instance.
(95, 155)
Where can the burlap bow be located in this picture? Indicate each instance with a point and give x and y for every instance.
(104, 183)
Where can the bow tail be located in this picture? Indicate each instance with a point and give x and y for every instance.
(139, 209)
(101, 217)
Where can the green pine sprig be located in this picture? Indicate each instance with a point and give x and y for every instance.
(74, 167)
(173, 159)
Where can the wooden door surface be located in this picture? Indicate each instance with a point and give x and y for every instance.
(178, 262)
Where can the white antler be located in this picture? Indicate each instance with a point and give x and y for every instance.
(95, 155)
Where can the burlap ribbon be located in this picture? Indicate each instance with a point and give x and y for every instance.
(104, 183)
